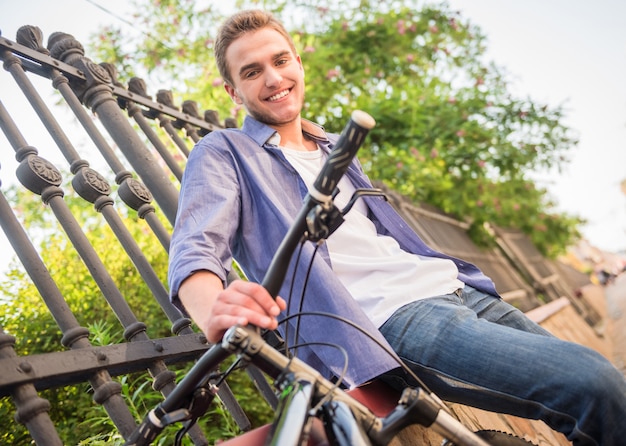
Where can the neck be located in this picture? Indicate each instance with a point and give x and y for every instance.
(291, 136)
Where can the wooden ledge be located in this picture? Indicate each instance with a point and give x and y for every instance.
(544, 312)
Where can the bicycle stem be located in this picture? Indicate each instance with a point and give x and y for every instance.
(292, 423)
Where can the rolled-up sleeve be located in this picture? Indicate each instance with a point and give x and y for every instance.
(208, 214)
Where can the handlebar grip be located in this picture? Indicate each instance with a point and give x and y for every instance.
(341, 156)
(146, 432)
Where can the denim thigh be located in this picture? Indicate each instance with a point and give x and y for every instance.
(476, 349)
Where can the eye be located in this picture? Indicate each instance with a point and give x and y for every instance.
(250, 74)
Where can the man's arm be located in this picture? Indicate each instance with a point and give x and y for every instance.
(215, 309)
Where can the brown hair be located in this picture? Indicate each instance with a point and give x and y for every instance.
(237, 25)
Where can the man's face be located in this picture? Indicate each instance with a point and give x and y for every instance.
(268, 79)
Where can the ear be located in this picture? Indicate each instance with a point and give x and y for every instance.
(300, 63)
(233, 94)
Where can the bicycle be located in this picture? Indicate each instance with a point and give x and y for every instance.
(305, 395)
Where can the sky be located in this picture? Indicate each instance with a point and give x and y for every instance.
(559, 52)
(570, 53)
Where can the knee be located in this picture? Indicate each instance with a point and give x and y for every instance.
(598, 381)
(599, 403)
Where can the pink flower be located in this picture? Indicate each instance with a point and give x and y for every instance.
(481, 163)
(400, 26)
(410, 57)
(460, 133)
(309, 49)
(332, 73)
(434, 153)
(218, 81)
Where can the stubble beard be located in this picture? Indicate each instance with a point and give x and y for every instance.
(271, 120)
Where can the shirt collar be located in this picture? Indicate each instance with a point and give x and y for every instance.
(264, 134)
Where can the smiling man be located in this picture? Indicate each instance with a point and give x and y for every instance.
(268, 80)
(443, 317)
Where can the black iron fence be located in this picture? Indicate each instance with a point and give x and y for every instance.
(144, 143)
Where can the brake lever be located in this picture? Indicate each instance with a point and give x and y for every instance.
(362, 193)
(323, 220)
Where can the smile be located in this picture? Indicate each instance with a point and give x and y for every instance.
(278, 96)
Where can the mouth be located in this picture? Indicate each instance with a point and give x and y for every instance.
(278, 96)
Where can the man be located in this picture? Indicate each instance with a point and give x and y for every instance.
(442, 316)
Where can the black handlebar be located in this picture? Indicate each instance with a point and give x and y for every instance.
(146, 432)
(345, 149)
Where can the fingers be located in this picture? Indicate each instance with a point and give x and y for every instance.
(282, 304)
(253, 297)
(243, 303)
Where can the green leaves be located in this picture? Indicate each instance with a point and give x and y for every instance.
(449, 132)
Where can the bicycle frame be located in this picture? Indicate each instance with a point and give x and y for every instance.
(303, 389)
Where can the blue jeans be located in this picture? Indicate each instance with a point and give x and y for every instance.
(476, 349)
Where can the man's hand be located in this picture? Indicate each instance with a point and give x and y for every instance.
(216, 309)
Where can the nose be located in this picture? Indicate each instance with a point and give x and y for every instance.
(273, 78)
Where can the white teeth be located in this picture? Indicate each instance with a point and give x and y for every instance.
(276, 97)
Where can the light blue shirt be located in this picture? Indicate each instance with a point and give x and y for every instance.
(238, 198)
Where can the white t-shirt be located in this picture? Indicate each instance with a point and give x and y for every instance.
(378, 273)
